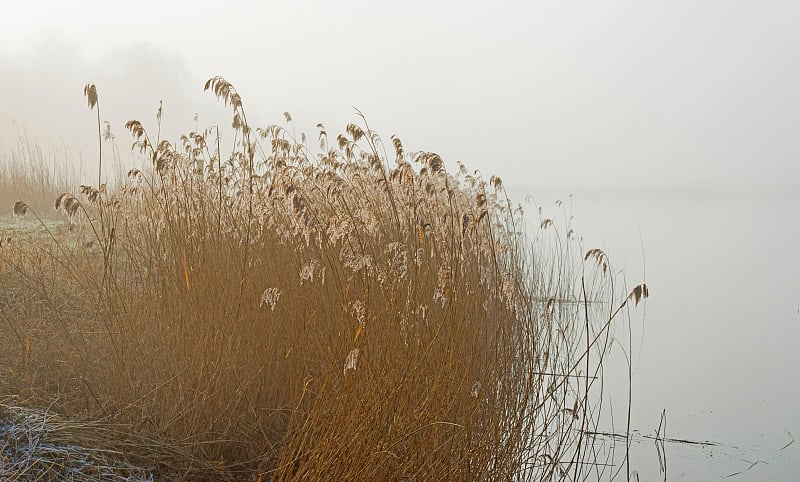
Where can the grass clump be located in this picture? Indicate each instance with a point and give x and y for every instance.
(275, 314)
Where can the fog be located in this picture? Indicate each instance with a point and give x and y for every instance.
(546, 94)
(675, 124)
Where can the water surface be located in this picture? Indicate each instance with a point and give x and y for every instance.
(716, 345)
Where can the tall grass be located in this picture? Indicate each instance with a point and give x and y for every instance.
(286, 312)
(34, 173)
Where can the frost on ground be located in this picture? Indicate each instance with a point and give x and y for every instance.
(38, 445)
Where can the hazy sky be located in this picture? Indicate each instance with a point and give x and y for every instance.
(567, 93)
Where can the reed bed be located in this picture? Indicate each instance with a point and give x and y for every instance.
(32, 172)
(287, 311)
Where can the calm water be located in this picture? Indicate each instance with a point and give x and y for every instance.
(718, 347)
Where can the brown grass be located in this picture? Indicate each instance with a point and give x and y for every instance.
(283, 315)
(31, 174)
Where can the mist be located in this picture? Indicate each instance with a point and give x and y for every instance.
(630, 94)
(43, 97)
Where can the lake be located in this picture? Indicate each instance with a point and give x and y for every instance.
(717, 344)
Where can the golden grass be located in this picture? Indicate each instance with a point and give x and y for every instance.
(29, 171)
(282, 315)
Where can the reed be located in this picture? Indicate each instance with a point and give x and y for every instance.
(347, 310)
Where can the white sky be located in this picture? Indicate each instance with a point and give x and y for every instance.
(561, 93)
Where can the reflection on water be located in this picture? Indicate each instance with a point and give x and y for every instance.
(716, 346)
